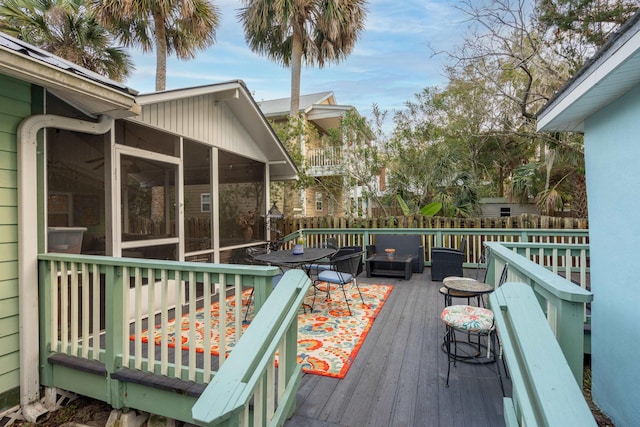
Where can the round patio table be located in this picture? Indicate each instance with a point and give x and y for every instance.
(467, 286)
(288, 259)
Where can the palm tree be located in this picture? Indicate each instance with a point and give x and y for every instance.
(179, 27)
(66, 29)
(287, 31)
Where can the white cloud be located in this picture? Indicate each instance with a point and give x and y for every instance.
(389, 64)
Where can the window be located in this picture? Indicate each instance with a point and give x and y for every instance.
(205, 202)
(318, 201)
(505, 211)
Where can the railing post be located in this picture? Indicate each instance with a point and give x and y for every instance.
(46, 323)
(115, 323)
(571, 319)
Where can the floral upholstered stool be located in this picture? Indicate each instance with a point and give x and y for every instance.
(471, 321)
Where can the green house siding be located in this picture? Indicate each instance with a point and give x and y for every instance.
(15, 105)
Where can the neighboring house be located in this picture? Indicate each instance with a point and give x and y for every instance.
(603, 101)
(324, 161)
(501, 206)
(92, 158)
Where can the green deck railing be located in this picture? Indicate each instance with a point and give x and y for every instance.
(560, 251)
(97, 309)
(97, 316)
(249, 373)
(544, 390)
(562, 302)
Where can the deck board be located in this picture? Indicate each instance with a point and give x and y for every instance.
(398, 377)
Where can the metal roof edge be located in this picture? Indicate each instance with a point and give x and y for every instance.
(117, 102)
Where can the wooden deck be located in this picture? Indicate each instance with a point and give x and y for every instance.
(398, 377)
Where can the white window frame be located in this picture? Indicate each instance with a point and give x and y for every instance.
(203, 203)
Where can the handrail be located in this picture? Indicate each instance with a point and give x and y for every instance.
(249, 368)
(544, 390)
(562, 301)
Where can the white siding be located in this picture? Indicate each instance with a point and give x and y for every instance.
(202, 119)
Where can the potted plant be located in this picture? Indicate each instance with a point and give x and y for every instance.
(246, 222)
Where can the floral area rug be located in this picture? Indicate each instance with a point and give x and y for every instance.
(328, 339)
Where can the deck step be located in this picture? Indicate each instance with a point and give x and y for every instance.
(91, 366)
(159, 382)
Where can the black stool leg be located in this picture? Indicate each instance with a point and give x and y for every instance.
(493, 336)
(449, 337)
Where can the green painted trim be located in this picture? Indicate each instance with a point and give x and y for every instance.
(166, 403)
(15, 106)
(79, 382)
(545, 391)
(232, 388)
(510, 417)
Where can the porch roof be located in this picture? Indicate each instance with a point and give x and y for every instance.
(608, 75)
(240, 101)
(88, 91)
(280, 107)
(319, 108)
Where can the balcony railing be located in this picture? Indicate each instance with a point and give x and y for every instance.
(324, 161)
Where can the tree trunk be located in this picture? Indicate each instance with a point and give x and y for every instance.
(161, 51)
(296, 68)
(579, 206)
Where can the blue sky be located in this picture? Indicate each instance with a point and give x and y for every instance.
(391, 61)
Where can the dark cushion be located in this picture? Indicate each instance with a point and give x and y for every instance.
(446, 262)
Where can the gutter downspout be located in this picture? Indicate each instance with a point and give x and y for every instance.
(28, 249)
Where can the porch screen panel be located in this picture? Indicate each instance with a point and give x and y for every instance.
(197, 196)
(242, 199)
(148, 205)
(76, 188)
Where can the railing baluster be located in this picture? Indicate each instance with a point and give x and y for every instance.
(138, 317)
(98, 307)
(73, 315)
(164, 322)
(192, 322)
(206, 319)
(258, 403)
(56, 280)
(86, 311)
(177, 287)
(222, 314)
(270, 402)
(64, 306)
(282, 368)
(238, 306)
(151, 302)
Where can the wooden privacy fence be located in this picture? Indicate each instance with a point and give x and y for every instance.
(196, 227)
(291, 225)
